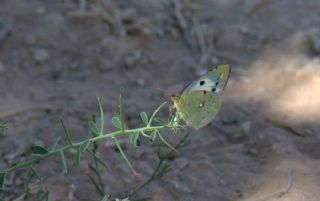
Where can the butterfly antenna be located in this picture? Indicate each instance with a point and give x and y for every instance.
(162, 90)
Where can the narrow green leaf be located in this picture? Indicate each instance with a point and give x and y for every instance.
(84, 145)
(4, 126)
(101, 116)
(134, 138)
(66, 132)
(155, 113)
(152, 136)
(97, 158)
(34, 172)
(38, 150)
(54, 147)
(164, 141)
(121, 113)
(78, 157)
(82, 148)
(64, 162)
(2, 177)
(116, 122)
(144, 117)
(93, 128)
(42, 195)
(124, 156)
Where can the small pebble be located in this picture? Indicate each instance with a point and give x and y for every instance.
(10, 158)
(214, 60)
(244, 30)
(40, 55)
(38, 143)
(253, 151)
(141, 82)
(41, 10)
(245, 128)
(73, 151)
(133, 59)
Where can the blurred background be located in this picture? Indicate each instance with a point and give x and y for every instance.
(57, 55)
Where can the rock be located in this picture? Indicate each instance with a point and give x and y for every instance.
(245, 128)
(40, 55)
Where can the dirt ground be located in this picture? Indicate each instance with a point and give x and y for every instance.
(57, 55)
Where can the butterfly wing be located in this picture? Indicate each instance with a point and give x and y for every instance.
(198, 108)
(214, 80)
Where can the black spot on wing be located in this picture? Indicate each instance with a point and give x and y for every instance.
(202, 83)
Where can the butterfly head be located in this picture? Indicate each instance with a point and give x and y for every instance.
(175, 97)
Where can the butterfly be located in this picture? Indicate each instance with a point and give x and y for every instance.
(199, 102)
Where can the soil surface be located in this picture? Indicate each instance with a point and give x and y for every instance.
(57, 55)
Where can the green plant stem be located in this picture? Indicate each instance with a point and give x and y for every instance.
(165, 141)
(161, 167)
(155, 113)
(124, 156)
(111, 135)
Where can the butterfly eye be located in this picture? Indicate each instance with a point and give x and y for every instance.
(202, 82)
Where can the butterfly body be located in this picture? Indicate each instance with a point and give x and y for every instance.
(200, 102)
